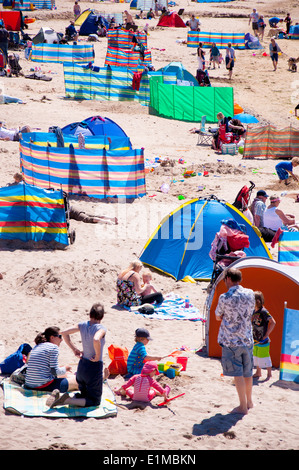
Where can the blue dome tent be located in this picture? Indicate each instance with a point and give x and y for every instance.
(91, 24)
(95, 125)
(181, 243)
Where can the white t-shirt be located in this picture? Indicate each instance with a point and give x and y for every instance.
(271, 219)
(7, 133)
(254, 17)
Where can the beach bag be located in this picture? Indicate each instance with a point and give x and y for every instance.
(15, 360)
(119, 357)
(19, 375)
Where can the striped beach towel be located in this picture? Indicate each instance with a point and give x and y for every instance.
(32, 403)
(173, 308)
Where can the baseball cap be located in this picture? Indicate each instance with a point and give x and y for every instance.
(143, 333)
(149, 367)
(262, 193)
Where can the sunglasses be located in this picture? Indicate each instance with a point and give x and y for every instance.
(58, 336)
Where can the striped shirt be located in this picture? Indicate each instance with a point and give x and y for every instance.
(43, 365)
(142, 385)
(136, 358)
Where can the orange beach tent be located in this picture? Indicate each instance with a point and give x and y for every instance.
(279, 284)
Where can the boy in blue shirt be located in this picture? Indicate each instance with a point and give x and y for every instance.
(138, 355)
(285, 169)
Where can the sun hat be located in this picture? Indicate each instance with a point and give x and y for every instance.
(149, 367)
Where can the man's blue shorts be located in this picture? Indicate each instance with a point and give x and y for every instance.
(237, 361)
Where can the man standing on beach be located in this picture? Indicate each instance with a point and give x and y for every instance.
(234, 310)
(230, 58)
(254, 16)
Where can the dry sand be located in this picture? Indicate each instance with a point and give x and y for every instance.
(43, 288)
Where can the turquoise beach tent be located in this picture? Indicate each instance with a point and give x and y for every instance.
(181, 243)
(177, 69)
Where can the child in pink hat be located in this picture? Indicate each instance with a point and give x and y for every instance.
(145, 387)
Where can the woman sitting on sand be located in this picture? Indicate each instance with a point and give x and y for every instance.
(43, 372)
(130, 289)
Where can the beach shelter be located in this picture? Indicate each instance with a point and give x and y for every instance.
(13, 20)
(289, 360)
(91, 23)
(46, 35)
(95, 125)
(181, 243)
(177, 70)
(82, 17)
(171, 20)
(29, 213)
(278, 283)
(294, 32)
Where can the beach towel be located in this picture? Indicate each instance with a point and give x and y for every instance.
(173, 308)
(32, 403)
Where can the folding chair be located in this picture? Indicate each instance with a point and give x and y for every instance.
(204, 137)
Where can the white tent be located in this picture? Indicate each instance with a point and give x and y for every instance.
(47, 35)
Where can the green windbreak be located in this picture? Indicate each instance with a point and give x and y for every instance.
(224, 101)
(190, 103)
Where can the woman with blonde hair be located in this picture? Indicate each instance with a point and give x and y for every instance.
(130, 289)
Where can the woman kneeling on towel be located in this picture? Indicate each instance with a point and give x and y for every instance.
(130, 291)
(43, 372)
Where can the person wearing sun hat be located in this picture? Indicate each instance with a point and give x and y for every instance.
(145, 387)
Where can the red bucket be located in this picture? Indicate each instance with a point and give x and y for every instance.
(183, 361)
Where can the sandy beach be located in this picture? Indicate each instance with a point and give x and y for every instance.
(42, 288)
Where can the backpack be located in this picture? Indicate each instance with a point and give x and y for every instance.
(15, 360)
(119, 357)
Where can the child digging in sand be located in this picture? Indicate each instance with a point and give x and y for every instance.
(145, 387)
(138, 355)
(262, 324)
(285, 169)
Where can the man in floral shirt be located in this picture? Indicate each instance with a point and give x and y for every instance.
(234, 310)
